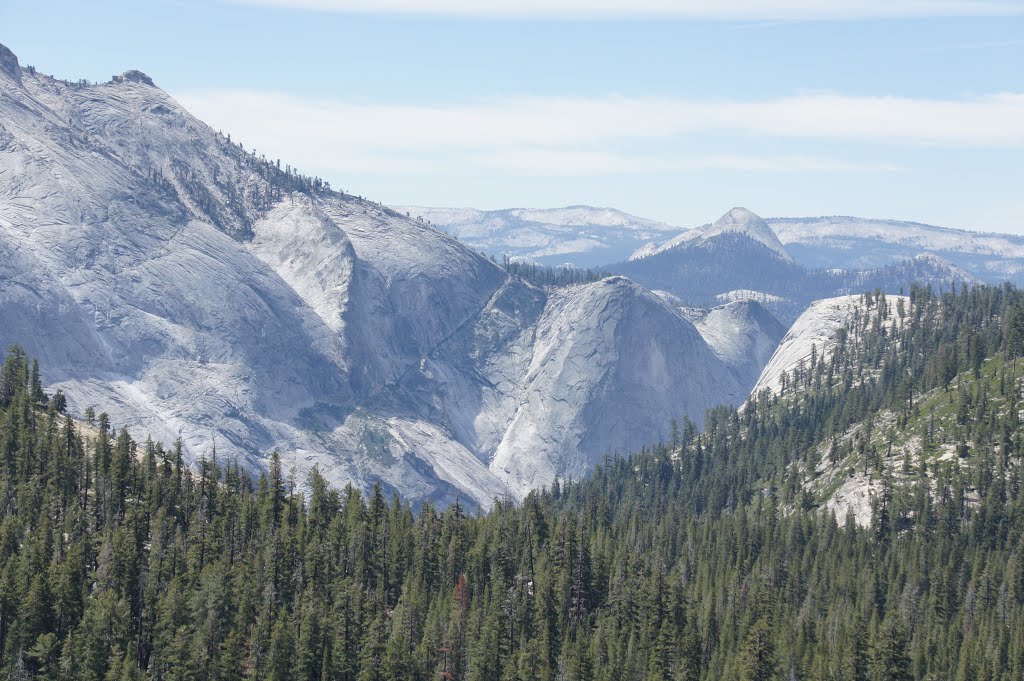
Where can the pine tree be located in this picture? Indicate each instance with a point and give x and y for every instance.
(282, 650)
(892, 661)
(758, 654)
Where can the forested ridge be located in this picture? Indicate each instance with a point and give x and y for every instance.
(708, 557)
(699, 272)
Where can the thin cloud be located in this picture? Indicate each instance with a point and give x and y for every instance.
(555, 136)
(575, 163)
(746, 10)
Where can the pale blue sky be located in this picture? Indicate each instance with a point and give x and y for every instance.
(678, 110)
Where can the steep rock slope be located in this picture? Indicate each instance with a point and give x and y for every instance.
(744, 335)
(612, 365)
(192, 288)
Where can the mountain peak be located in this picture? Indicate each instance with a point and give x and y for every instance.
(742, 221)
(134, 76)
(9, 63)
(933, 259)
(739, 215)
(940, 264)
(737, 221)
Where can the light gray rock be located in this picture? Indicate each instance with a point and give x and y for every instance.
(862, 243)
(744, 335)
(612, 365)
(192, 289)
(583, 236)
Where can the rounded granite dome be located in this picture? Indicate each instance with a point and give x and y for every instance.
(742, 221)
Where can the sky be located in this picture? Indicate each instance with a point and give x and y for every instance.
(675, 110)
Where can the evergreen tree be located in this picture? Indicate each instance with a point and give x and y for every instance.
(757, 662)
(712, 556)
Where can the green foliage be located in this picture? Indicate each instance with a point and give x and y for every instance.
(702, 559)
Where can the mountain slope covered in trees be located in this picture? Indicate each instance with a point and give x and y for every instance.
(739, 255)
(708, 557)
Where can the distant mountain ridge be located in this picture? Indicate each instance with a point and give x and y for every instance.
(861, 243)
(850, 243)
(581, 235)
(739, 257)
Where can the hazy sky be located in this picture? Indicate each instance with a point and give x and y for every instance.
(670, 109)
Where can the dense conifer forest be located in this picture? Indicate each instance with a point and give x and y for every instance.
(708, 557)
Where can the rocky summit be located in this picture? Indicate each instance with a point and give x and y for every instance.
(194, 289)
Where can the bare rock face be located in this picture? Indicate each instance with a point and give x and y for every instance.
(611, 366)
(743, 222)
(744, 335)
(192, 289)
